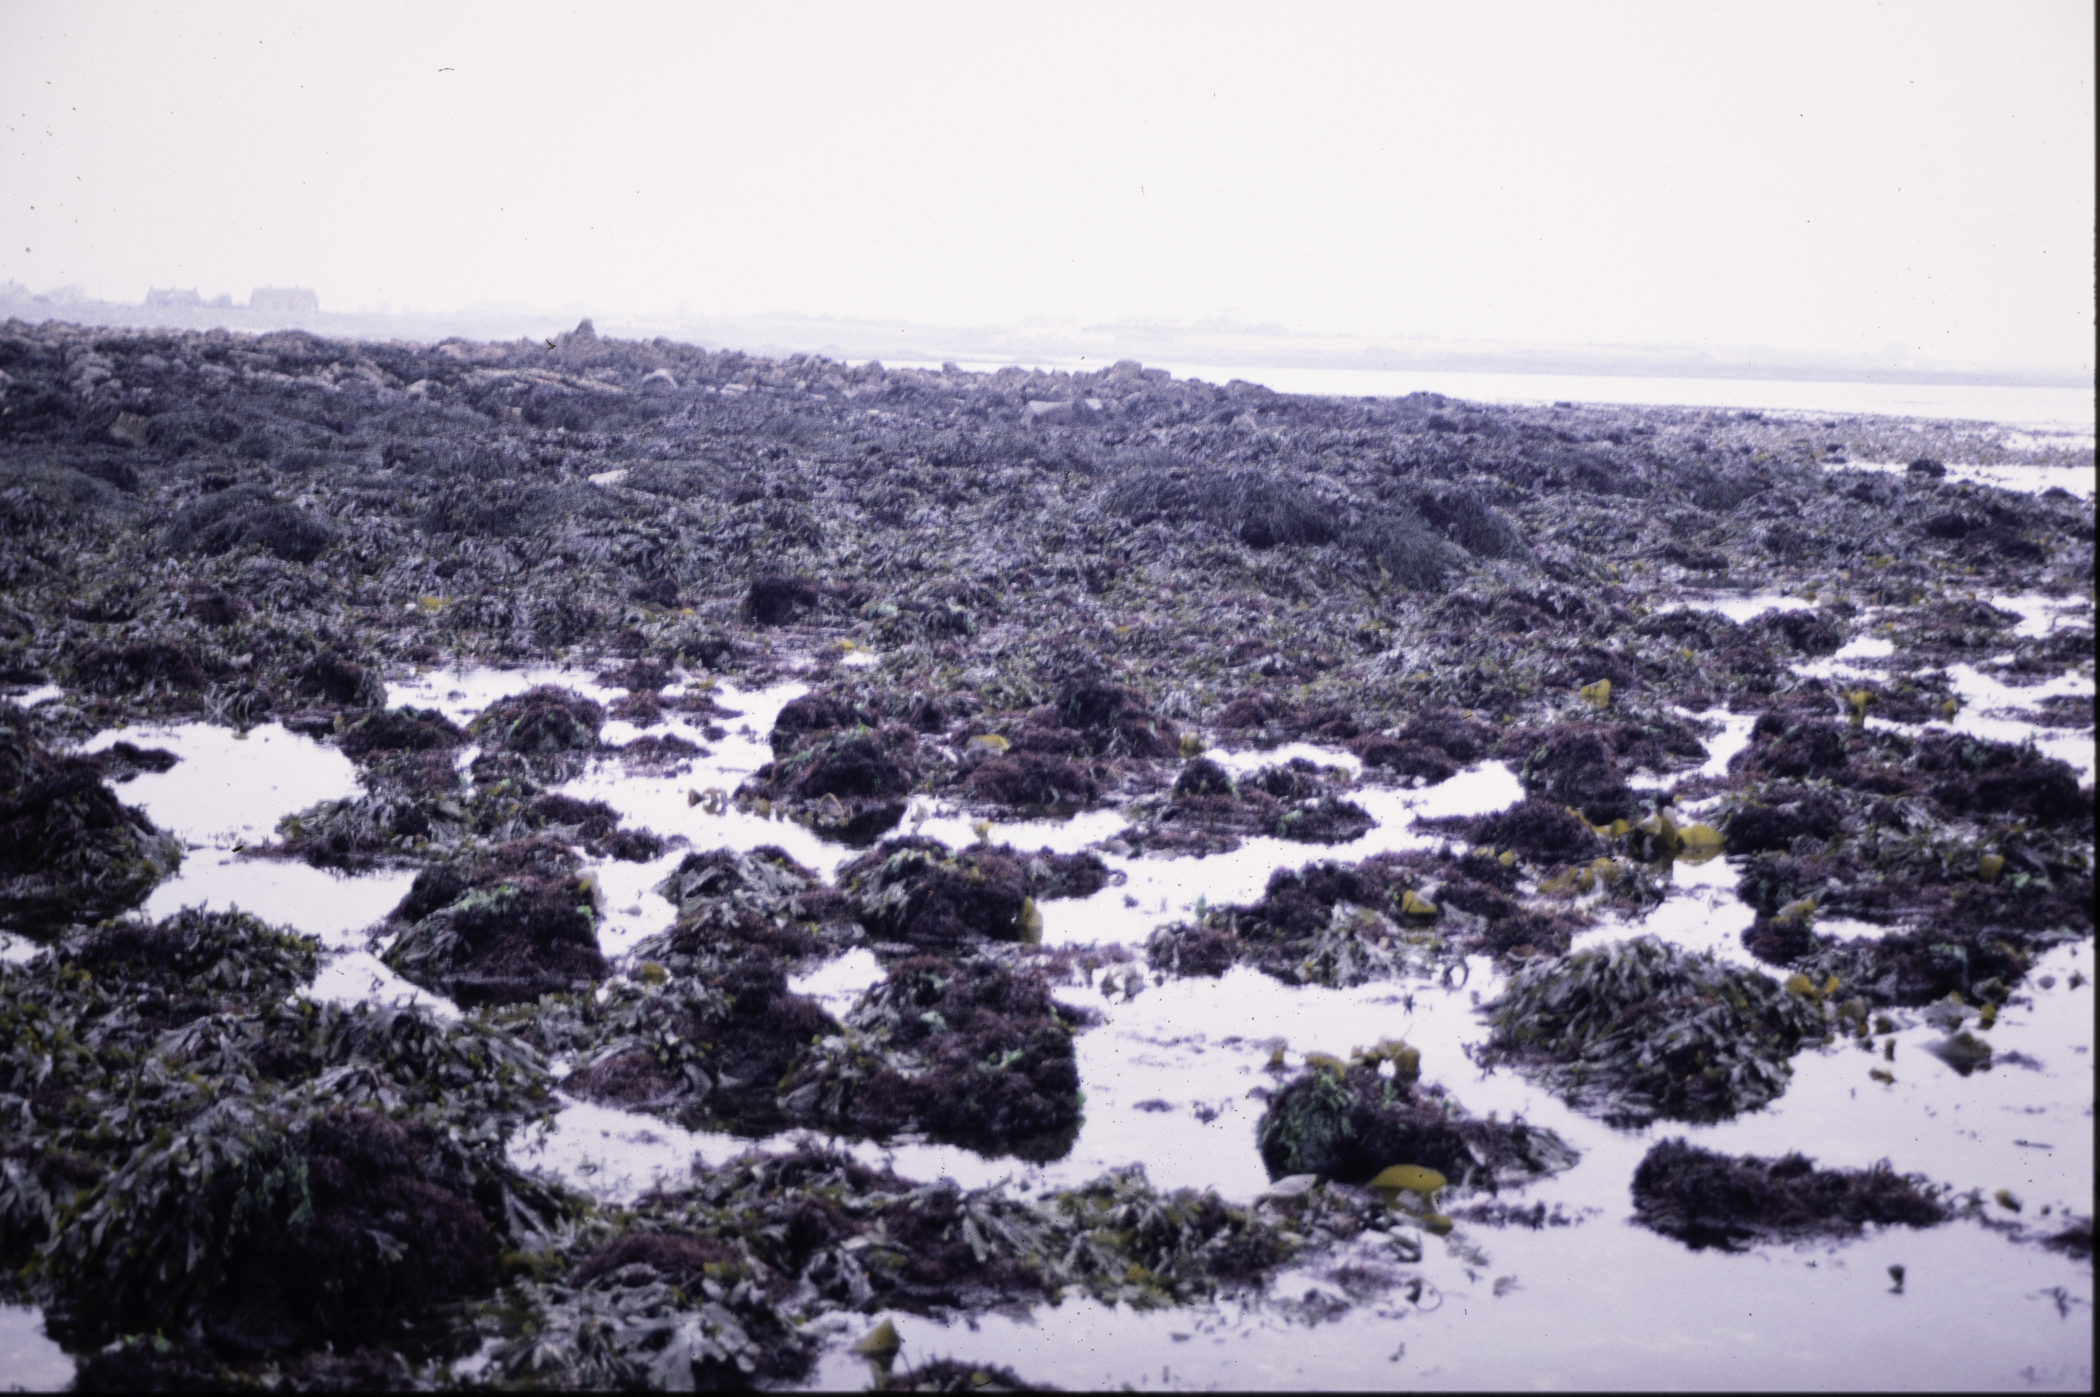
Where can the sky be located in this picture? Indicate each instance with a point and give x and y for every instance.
(1899, 180)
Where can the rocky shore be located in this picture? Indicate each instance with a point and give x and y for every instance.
(1017, 595)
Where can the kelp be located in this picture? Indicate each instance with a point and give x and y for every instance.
(1370, 1121)
(1640, 1029)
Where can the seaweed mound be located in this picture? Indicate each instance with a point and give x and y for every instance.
(972, 1051)
(1704, 1199)
(541, 721)
(916, 890)
(1972, 777)
(707, 1051)
(273, 1234)
(1538, 831)
(400, 730)
(1093, 715)
(841, 764)
(1576, 767)
(247, 516)
(70, 851)
(1333, 923)
(195, 955)
(502, 928)
(1640, 1029)
(1351, 1121)
(1208, 812)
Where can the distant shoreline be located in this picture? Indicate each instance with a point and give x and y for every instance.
(1037, 345)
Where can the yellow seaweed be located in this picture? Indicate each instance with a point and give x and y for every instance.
(1989, 866)
(1597, 695)
(1698, 843)
(1410, 1178)
(1415, 906)
(881, 1342)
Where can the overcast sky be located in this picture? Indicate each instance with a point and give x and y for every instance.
(1817, 178)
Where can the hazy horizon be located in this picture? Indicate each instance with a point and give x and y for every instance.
(1820, 183)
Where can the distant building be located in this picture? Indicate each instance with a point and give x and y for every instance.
(284, 298)
(173, 296)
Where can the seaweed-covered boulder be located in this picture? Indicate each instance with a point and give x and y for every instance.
(411, 808)
(337, 680)
(1952, 954)
(709, 1051)
(1792, 750)
(1784, 815)
(544, 720)
(1705, 1199)
(1972, 777)
(972, 1050)
(1102, 718)
(1804, 632)
(917, 890)
(849, 782)
(778, 599)
(651, 1310)
(1208, 812)
(502, 928)
(1351, 1121)
(140, 668)
(1576, 766)
(733, 905)
(1541, 832)
(1640, 1029)
(195, 955)
(400, 730)
(1030, 781)
(765, 878)
(1327, 923)
(1406, 757)
(267, 1234)
(70, 851)
(120, 761)
(247, 515)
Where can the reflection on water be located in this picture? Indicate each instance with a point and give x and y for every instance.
(226, 788)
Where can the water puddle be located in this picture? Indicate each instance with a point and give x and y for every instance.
(2023, 479)
(1740, 608)
(1986, 699)
(617, 1156)
(228, 790)
(29, 1360)
(1700, 913)
(2041, 614)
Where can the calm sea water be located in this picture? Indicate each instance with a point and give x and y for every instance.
(2052, 410)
